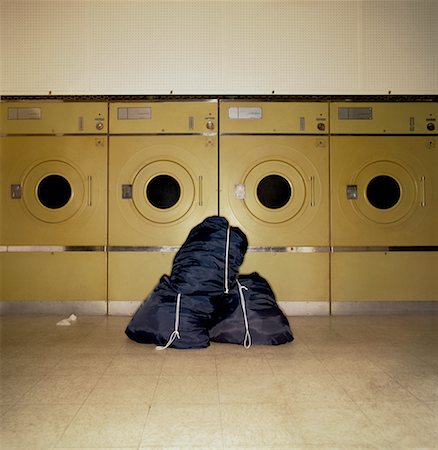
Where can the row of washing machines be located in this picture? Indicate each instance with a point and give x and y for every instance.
(339, 200)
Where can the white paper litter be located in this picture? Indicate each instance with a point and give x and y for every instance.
(67, 322)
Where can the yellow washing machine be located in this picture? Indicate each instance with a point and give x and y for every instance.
(163, 168)
(384, 215)
(53, 203)
(274, 185)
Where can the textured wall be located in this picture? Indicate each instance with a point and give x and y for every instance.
(219, 47)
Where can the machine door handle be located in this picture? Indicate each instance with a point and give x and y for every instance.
(89, 190)
(201, 200)
(312, 191)
(423, 191)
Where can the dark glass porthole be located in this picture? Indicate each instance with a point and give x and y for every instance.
(54, 191)
(163, 191)
(383, 192)
(274, 191)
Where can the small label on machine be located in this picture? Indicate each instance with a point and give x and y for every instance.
(355, 113)
(245, 112)
(24, 113)
(134, 113)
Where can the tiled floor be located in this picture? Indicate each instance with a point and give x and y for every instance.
(344, 383)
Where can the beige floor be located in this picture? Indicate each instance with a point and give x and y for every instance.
(345, 383)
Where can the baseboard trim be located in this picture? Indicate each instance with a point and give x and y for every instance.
(384, 308)
(305, 308)
(123, 308)
(290, 308)
(128, 308)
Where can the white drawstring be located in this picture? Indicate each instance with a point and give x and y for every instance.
(247, 341)
(175, 334)
(227, 251)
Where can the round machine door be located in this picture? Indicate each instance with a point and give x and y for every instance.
(163, 191)
(387, 192)
(54, 191)
(275, 191)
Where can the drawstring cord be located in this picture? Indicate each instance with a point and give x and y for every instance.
(175, 334)
(227, 252)
(247, 341)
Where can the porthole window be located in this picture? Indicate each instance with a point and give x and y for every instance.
(274, 191)
(383, 192)
(163, 191)
(54, 191)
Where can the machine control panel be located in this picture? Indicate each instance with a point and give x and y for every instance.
(53, 117)
(174, 117)
(274, 117)
(384, 118)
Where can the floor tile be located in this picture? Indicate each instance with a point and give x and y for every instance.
(187, 389)
(25, 366)
(13, 387)
(261, 425)
(35, 426)
(372, 385)
(243, 366)
(183, 426)
(299, 365)
(433, 406)
(124, 390)
(132, 364)
(407, 424)
(343, 424)
(82, 364)
(72, 389)
(189, 362)
(108, 426)
(423, 385)
(250, 389)
(316, 387)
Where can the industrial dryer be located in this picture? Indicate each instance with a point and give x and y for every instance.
(53, 205)
(384, 215)
(163, 167)
(274, 185)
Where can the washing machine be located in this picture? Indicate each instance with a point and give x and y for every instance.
(274, 185)
(384, 211)
(163, 180)
(53, 225)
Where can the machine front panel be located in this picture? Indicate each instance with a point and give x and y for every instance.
(292, 276)
(54, 190)
(160, 187)
(384, 276)
(384, 190)
(276, 188)
(53, 276)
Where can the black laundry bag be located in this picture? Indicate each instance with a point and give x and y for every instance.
(265, 323)
(208, 261)
(155, 320)
(178, 312)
